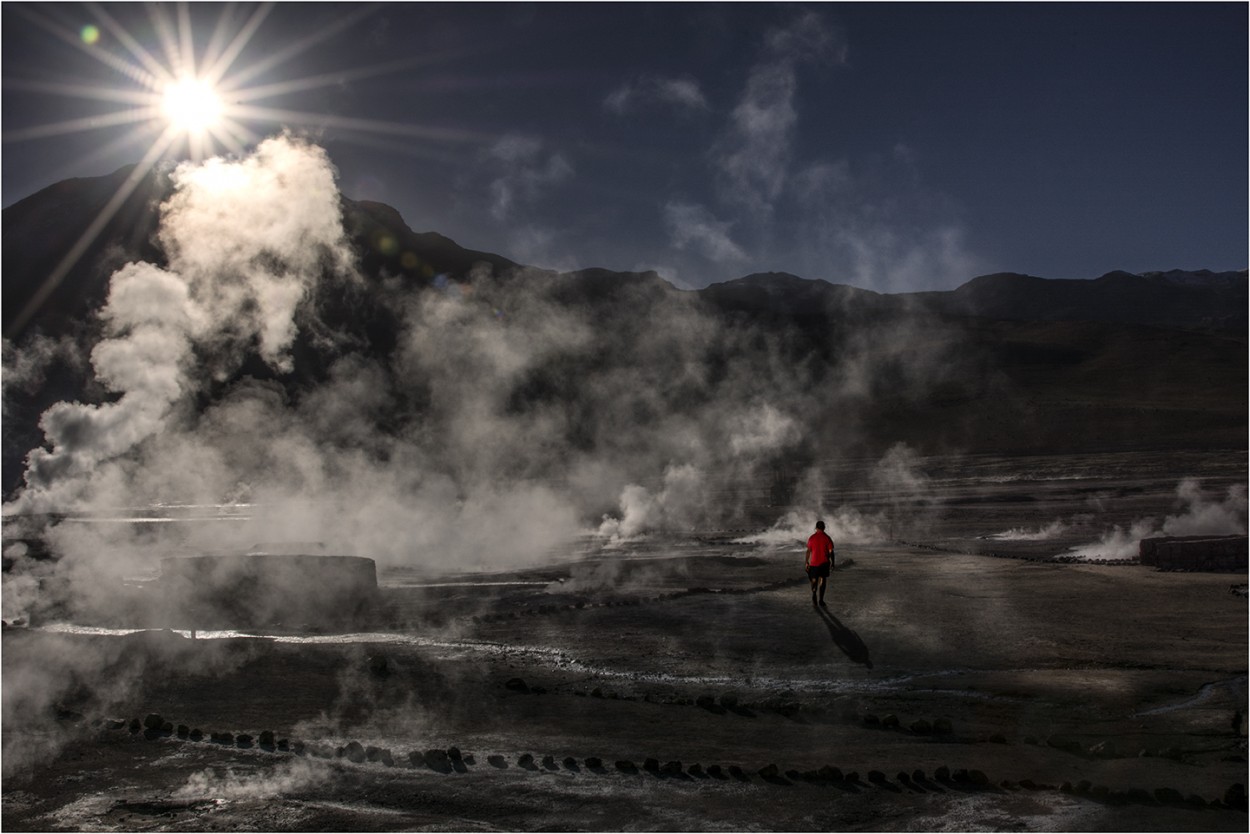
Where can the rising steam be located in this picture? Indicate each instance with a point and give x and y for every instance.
(1199, 515)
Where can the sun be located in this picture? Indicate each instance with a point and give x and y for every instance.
(189, 102)
(191, 105)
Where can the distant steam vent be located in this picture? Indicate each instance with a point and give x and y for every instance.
(268, 589)
(1216, 554)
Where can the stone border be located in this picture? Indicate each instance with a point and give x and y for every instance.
(453, 760)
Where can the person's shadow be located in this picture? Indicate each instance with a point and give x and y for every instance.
(845, 639)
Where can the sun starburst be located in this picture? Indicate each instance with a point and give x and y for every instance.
(179, 102)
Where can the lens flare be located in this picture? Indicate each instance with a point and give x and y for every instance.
(90, 35)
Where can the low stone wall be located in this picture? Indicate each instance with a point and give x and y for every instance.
(1215, 554)
(267, 589)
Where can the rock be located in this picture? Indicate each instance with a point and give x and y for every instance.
(978, 777)
(354, 752)
(1169, 796)
(549, 762)
(1140, 796)
(1100, 792)
(890, 721)
(379, 666)
(517, 685)
(876, 776)
(1065, 744)
(871, 720)
(705, 701)
(851, 777)
(737, 772)
(729, 701)
(626, 766)
(153, 721)
(1031, 740)
(920, 727)
(1066, 787)
(183, 731)
(167, 727)
(495, 760)
(917, 775)
(373, 753)
(245, 740)
(1235, 796)
(596, 692)
(830, 773)
(594, 763)
(1196, 801)
(695, 769)
(1083, 786)
(942, 774)
(386, 758)
(651, 765)
(570, 763)
(225, 738)
(196, 734)
(961, 776)
(454, 754)
(265, 739)
(672, 768)
(297, 747)
(526, 760)
(437, 760)
(115, 724)
(904, 777)
(998, 738)
(1028, 784)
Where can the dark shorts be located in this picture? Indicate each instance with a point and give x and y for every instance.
(814, 571)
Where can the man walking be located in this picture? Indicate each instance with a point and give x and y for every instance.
(819, 561)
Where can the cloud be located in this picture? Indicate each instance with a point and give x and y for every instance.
(808, 37)
(869, 220)
(525, 171)
(875, 224)
(754, 154)
(645, 91)
(694, 227)
(241, 258)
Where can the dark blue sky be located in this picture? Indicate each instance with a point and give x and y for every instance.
(890, 146)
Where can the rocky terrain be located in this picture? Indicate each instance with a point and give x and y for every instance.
(686, 682)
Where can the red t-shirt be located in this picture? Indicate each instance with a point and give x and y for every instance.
(819, 548)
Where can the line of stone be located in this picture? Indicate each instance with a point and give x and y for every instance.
(453, 760)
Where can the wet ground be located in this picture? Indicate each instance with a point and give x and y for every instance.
(687, 682)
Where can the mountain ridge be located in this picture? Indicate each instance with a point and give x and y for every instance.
(37, 228)
(1004, 364)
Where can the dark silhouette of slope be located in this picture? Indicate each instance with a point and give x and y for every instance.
(1006, 363)
(1197, 300)
(41, 229)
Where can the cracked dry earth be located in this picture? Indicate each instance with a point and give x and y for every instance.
(683, 684)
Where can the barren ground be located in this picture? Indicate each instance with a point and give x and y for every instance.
(1056, 696)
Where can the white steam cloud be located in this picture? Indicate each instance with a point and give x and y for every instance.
(243, 238)
(1200, 516)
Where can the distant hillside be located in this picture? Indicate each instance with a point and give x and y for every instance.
(1005, 363)
(1200, 300)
